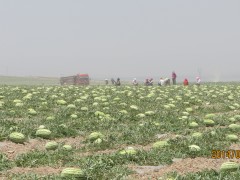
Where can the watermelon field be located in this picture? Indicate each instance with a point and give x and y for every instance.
(126, 132)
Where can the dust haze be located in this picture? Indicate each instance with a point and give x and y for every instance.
(126, 39)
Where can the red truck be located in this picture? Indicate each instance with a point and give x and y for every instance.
(79, 79)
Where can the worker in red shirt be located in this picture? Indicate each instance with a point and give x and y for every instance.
(185, 82)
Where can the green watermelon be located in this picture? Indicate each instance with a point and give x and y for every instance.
(67, 147)
(17, 137)
(128, 151)
(43, 133)
(194, 148)
(193, 125)
(51, 145)
(95, 135)
(232, 137)
(160, 144)
(72, 173)
(209, 122)
(229, 166)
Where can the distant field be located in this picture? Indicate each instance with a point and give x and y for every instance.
(11, 80)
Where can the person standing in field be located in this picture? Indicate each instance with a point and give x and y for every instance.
(185, 82)
(151, 82)
(174, 77)
(106, 81)
(167, 82)
(113, 81)
(147, 82)
(135, 82)
(118, 82)
(198, 81)
(161, 82)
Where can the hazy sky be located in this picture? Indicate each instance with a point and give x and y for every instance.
(125, 38)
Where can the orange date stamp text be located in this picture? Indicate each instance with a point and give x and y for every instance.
(225, 154)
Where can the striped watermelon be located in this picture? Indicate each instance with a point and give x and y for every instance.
(44, 133)
(17, 137)
(72, 173)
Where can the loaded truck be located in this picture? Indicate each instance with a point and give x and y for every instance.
(79, 79)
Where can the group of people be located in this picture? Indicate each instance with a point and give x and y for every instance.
(198, 81)
(162, 81)
(117, 83)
